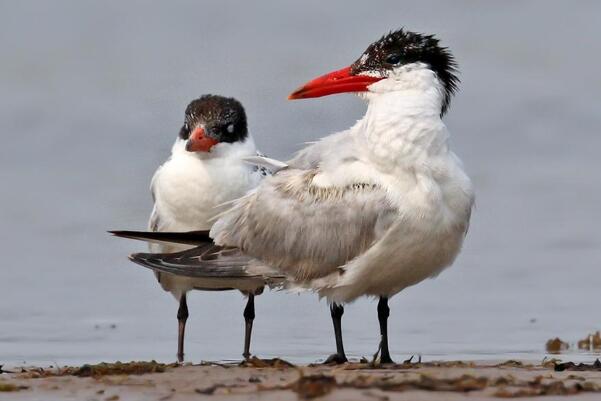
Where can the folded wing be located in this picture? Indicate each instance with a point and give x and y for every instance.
(305, 229)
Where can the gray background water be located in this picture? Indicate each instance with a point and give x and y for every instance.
(92, 97)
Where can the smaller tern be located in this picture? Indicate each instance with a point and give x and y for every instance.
(207, 169)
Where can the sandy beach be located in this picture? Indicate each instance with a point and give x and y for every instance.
(279, 380)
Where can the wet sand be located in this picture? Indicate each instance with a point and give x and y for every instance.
(278, 380)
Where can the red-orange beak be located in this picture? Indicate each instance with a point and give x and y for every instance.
(199, 142)
(334, 82)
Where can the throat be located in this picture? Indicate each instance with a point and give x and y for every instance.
(403, 128)
(222, 150)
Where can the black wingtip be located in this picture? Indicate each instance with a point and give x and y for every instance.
(188, 238)
(136, 258)
(142, 259)
(125, 233)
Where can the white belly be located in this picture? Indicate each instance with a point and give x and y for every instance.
(189, 193)
(425, 239)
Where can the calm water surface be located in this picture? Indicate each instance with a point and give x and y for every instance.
(93, 96)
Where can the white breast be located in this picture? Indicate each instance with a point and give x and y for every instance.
(427, 235)
(404, 148)
(190, 189)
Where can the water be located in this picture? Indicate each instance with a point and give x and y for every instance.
(92, 98)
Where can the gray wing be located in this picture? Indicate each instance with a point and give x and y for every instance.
(303, 230)
(207, 261)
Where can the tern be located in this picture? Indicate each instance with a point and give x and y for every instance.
(368, 211)
(207, 168)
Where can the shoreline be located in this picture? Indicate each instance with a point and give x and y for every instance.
(277, 379)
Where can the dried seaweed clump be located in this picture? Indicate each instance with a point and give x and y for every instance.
(592, 342)
(595, 366)
(313, 386)
(255, 362)
(556, 345)
(538, 387)
(119, 368)
(101, 369)
(511, 363)
(9, 387)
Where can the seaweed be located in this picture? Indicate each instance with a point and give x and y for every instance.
(539, 387)
(592, 342)
(313, 386)
(255, 362)
(556, 345)
(595, 366)
(100, 369)
(120, 368)
(9, 387)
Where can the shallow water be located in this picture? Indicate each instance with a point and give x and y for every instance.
(92, 98)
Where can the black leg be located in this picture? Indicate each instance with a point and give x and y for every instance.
(249, 316)
(383, 313)
(182, 316)
(339, 357)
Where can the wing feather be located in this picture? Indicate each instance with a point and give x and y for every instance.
(187, 238)
(306, 231)
(208, 261)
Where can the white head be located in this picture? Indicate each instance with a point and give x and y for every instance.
(399, 61)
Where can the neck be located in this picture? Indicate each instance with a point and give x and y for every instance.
(402, 127)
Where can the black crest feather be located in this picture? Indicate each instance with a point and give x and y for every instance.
(412, 47)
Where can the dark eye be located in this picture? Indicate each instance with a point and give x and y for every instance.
(393, 59)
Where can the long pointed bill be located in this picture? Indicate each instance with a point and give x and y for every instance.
(334, 82)
(199, 141)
